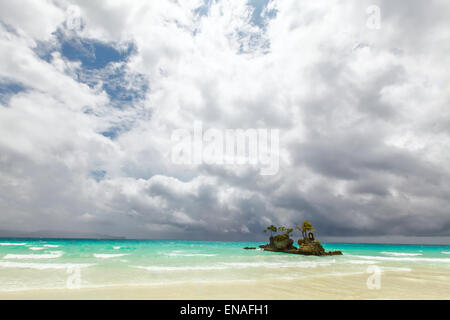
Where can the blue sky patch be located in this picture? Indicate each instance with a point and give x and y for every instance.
(254, 41)
(111, 132)
(123, 88)
(259, 15)
(258, 18)
(102, 64)
(204, 8)
(8, 89)
(93, 54)
(98, 175)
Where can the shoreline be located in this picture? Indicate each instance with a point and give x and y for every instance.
(415, 284)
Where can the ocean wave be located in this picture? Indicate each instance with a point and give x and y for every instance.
(184, 268)
(12, 244)
(42, 266)
(241, 265)
(51, 255)
(401, 254)
(108, 256)
(419, 259)
(396, 269)
(445, 252)
(51, 245)
(179, 254)
(300, 264)
(361, 262)
(116, 248)
(36, 248)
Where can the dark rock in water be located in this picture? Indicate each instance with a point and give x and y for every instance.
(311, 247)
(271, 242)
(283, 243)
(306, 247)
(333, 253)
(250, 248)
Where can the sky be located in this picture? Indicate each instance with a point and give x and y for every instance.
(92, 90)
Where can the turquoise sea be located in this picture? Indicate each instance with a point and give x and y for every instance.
(31, 264)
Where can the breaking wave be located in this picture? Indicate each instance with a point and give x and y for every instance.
(180, 254)
(51, 255)
(108, 256)
(401, 254)
(42, 266)
(361, 262)
(185, 268)
(413, 259)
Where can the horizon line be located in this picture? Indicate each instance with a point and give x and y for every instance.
(148, 239)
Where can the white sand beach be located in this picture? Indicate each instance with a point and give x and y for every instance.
(415, 284)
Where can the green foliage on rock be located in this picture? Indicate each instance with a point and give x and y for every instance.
(282, 242)
(306, 226)
(281, 237)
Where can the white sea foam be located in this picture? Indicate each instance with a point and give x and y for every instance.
(184, 268)
(42, 266)
(300, 264)
(12, 244)
(116, 248)
(240, 265)
(445, 252)
(108, 256)
(396, 269)
(36, 248)
(361, 262)
(51, 255)
(179, 254)
(401, 254)
(51, 245)
(411, 259)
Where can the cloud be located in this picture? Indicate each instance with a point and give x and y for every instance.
(32, 19)
(87, 111)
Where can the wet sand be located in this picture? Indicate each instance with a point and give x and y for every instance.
(416, 284)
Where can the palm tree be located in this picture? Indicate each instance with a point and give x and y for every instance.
(306, 226)
(281, 229)
(272, 229)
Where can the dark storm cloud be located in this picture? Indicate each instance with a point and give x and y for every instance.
(350, 157)
(362, 113)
